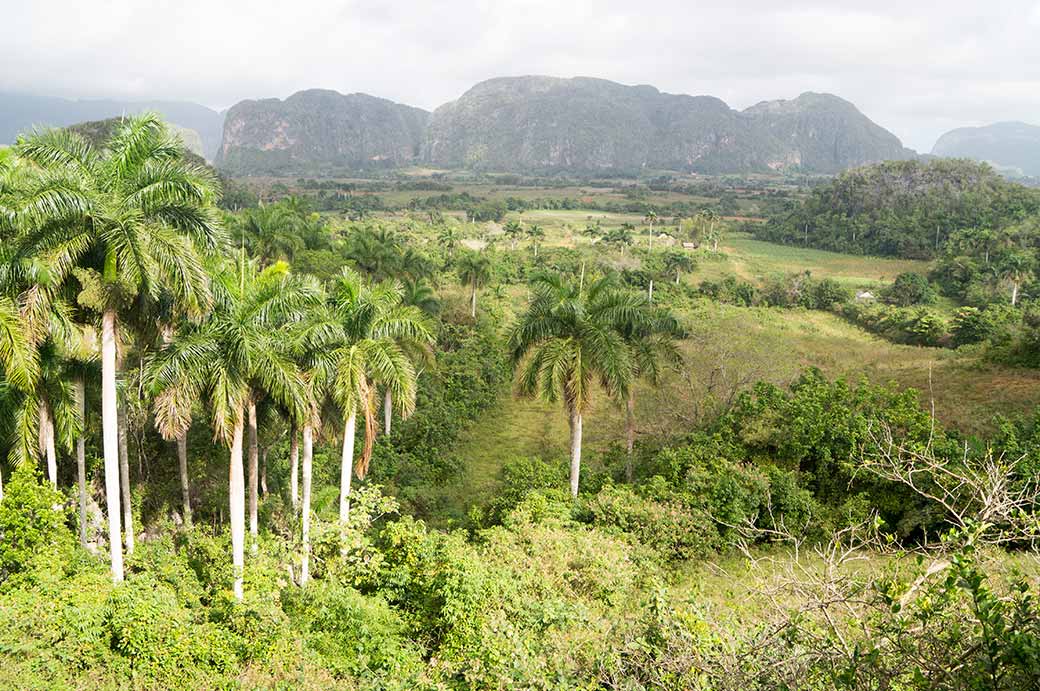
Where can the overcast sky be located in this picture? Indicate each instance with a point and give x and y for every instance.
(916, 67)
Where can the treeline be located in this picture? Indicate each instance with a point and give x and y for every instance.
(902, 208)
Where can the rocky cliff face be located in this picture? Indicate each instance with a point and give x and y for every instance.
(825, 134)
(318, 131)
(1012, 147)
(539, 123)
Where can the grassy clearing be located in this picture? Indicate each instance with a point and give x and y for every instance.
(754, 260)
(730, 348)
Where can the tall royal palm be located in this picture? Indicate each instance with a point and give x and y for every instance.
(474, 271)
(18, 361)
(367, 337)
(566, 343)
(240, 347)
(127, 220)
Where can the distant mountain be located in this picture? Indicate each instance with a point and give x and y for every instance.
(828, 133)
(21, 112)
(542, 124)
(319, 132)
(1012, 147)
(584, 124)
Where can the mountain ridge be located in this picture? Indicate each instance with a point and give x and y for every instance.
(1011, 146)
(319, 129)
(531, 123)
(537, 123)
(20, 112)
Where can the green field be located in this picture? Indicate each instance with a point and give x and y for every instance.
(732, 347)
(754, 259)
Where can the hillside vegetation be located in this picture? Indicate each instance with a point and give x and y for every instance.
(902, 208)
(548, 448)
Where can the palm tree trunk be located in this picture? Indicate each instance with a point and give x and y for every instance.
(388, 411)
(630, 432)
(47, 443)
(236, 494)
(347, 467)
(253, 476)
(110, 437)
(473, 303)
(81, 459)
(308, 450)
(124, 482)
(294, 468)
(182, 462)
(575, 452)
(1014, 293)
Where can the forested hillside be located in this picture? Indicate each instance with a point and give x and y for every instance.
(902, 208)
(297, 446)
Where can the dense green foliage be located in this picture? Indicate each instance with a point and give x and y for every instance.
(902, 208)
(814, 535)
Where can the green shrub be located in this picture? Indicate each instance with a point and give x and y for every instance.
(32, 524)
(516, 479)
(158, 639)
(676, 531)
(909, 289)
(355, 635)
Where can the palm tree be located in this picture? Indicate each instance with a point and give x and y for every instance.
(650, 334)
(419, 293)
(1015, 267)
(410, 265)
(270, 232)
(620, 237)
(129, 220)
(513, 231)
(474, 271)
(239, 349)
(536, 234)
(18, 359)
(365, 338)
(676, 262)
(713, 233)
(448, 237)
(651, 218)
(566, 342)
(375, 252)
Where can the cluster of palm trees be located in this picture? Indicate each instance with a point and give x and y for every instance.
(574, 337)
(120, 252)
(96, 240)
(515, 230)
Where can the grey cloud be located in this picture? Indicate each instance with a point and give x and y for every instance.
(917, 68)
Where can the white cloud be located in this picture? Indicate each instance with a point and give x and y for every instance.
(917, 68)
